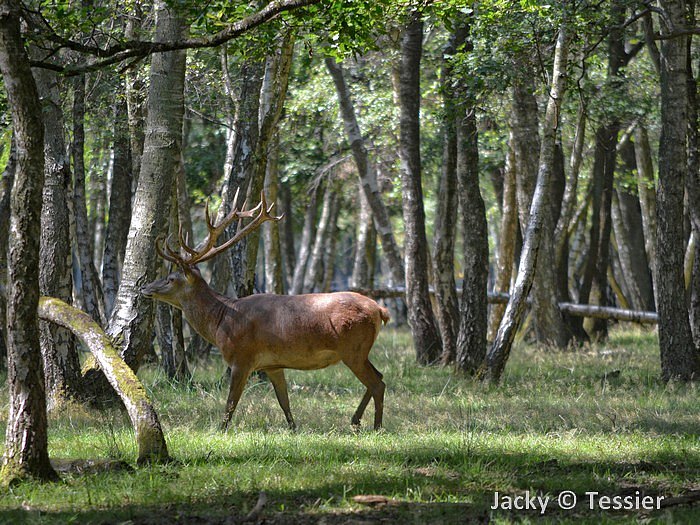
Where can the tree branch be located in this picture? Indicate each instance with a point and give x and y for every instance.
(140, 49)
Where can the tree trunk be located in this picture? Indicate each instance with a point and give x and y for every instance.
(647, 192)
(61, 366)
(228, 270)
(287, 240)
(363, 262)
(426, 337)
(307, 234)
(500, 350)
(471, 341)
(447, 306)
(274, 268)
(119, 207)
(366, 172)
(135, 97)
(679, 356)
(144, 420)
(8, 178)
(549, 324)
(26, 445)
(506, 247)
(329, 246)
(131, 322)
(314, 269)
(629, 233)
(273, 93)
(90, 284)
(693, 185)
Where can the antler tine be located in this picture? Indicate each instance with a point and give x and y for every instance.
(162, 242)
(263, 215)
(184, 244)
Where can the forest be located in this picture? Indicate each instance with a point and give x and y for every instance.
(203, 204)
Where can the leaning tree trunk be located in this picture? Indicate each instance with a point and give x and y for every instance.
(131, 321)
(549, 324)
(119, 207)
(61, 366)
(144, 420)
(447, 306)
(367, 172)
(500, 350)
(679, 356)
(426, 337)
(314, 268)
(26, 445)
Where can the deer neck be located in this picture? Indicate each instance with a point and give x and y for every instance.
(206, 310)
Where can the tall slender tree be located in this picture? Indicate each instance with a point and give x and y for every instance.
(426, 337)
(26, 442)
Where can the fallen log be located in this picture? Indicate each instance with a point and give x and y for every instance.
(578, 310)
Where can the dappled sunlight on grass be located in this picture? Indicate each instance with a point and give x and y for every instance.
(590, 418)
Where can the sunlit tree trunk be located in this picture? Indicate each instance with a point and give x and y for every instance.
(549, 324)
(426, 337)
(26, 445)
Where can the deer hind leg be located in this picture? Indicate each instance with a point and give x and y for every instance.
(239, 377)
(372, 379)
(279, 383)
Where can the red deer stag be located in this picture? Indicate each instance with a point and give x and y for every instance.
(272, 332)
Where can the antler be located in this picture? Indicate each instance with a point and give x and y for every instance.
(207, 249)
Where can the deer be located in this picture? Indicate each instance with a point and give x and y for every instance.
(269, 332)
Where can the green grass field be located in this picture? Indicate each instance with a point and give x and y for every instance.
(593, 419)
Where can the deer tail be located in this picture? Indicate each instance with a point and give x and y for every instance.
(384, 313)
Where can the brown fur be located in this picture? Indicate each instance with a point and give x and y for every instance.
(272, 332)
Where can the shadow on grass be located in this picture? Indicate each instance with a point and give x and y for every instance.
(429, 485)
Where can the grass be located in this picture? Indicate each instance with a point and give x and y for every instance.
(593, 419)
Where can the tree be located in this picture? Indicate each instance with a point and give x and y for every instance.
(60, 356)
(131, 321)
(426, 337)
(680, 359)
(26, 447)
(500, 350)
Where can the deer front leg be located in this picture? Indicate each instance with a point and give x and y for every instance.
(280, 385)
(239, 377)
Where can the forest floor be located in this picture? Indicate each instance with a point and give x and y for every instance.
(593, 419)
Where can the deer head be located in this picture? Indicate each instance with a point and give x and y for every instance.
(178, 285)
